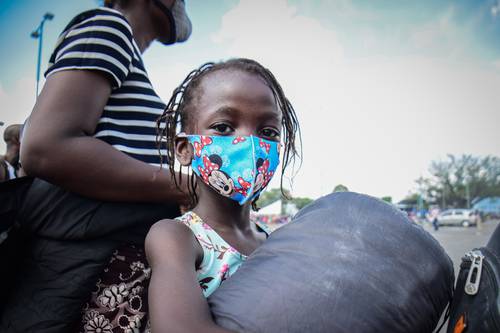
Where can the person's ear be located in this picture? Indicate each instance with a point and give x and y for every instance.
(183, 150)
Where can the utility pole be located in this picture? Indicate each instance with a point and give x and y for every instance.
(467, 191)
(443, 199)
(38, 34)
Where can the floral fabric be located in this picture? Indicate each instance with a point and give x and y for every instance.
(119, 302)
(220, 260)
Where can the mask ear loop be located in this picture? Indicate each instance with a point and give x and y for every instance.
(256, 197)
(254, 165)
(168, 14)
(280, 146)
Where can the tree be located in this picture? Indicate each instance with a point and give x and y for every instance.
(414, 200)
(269, 196)
(272, 195)
(387, 199)
(301, 202)
(457, 181)
(340, 188)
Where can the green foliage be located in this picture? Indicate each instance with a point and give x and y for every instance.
(269, 196)
(415, 200)
(387, 199)
(459, 180)
(301, 202)
(272, 195)
(340, 188)
(411, 199)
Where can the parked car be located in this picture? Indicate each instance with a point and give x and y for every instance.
(463, 217)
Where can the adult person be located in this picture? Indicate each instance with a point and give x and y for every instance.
(90, 143)
(9, 170)
(9, 163)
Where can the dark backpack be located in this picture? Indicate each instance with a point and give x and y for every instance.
(476, 302)
(346, 263)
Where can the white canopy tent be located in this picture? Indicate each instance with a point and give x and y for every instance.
(272, 209)
(275, 209)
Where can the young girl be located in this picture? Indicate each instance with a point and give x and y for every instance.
(233, 116)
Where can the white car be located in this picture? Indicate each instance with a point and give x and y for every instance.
(463, 217)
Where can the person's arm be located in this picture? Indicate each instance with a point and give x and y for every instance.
(58, 147)
(3, 172)
(176, 301)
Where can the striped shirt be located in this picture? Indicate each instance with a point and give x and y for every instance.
(102, 40)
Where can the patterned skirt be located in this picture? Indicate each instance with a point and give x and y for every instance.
(119, 302)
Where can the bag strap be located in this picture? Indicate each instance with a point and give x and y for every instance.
(494, 242)
(445, 318)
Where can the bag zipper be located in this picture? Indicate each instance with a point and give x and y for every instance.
(478, 253)
(472, 282)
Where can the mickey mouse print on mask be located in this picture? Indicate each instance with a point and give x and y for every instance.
(237, 167)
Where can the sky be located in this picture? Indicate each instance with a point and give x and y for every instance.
(381, 88)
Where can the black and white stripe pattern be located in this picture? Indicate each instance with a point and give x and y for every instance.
(101, 39)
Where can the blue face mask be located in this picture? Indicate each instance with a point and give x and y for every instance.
(237, 167)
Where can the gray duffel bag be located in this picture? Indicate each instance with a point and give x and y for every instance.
(346, 263)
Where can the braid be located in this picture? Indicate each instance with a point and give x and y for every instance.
(181, 105)
(168, 122)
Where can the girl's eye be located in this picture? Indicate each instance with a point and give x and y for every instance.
(222, 128)
(270, 133)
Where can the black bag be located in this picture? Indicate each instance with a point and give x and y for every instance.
(58, 244)
(346, 263)
(476, 303)
(12, 193)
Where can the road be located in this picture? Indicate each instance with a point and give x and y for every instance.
(458, 240)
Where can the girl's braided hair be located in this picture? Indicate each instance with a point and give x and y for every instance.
(180, 110)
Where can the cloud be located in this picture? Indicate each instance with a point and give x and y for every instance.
(442, 36)
(16, 104)
(166, 76)
(495, 9)
(372, 123)
(496, 64)
(276, 32)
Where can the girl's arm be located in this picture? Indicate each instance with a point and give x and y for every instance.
(176, 302)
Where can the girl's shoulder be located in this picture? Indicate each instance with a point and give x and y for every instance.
(189, 218)
(167, 226)
(168, 238)
(195, 223)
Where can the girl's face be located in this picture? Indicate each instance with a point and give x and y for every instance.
(235, 103)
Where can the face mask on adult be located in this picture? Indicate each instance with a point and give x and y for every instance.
(237, 167)
(179, 23)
